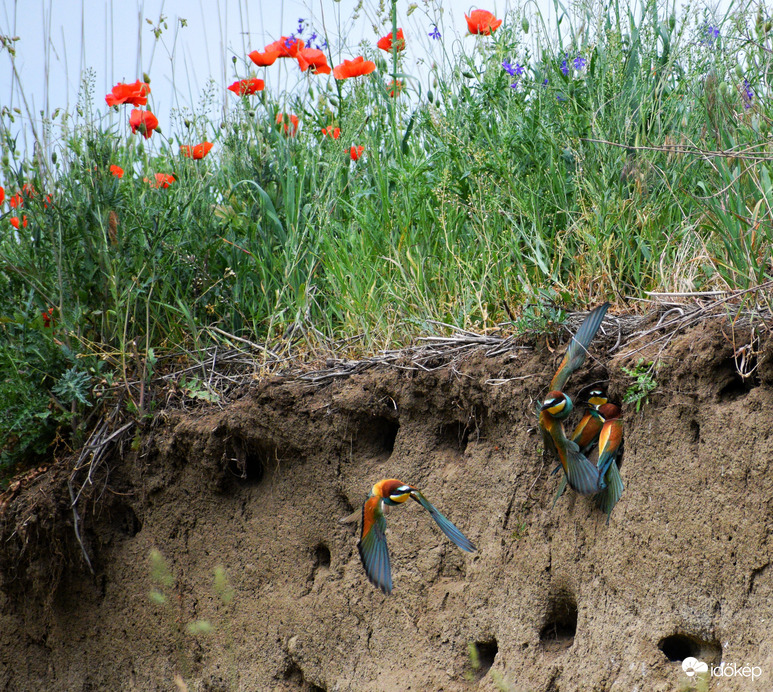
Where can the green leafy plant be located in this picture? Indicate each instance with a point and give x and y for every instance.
(644, 383)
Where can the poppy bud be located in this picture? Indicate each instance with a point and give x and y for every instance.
(469, 75)
(723, 88)
(53, 157)
(525, 25)
(739, 71)
(145, 78)
(672, 22)
(430, 96)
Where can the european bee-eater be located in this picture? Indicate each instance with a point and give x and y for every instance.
(578, 347)
(372, 544)
(610, 446)
(586, 434)
(581, 474)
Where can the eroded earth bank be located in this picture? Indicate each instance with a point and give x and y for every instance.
(555, 599)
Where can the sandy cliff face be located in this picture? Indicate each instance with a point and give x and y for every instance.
(554, 599)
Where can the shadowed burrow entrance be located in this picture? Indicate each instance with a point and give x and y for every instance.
(376, 437)
(679, 646)
(560, 623)
(482, 656)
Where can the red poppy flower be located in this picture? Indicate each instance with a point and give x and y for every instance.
(47, 317)
(244, 87)
(27, 191)
(314, 59)
(263, 59)
(353, 68)
(482, 22)
(385, 42)
(286, 47)
(143, 122)
(282, 118)
(117, 171)
(2, 194)
(15, 222)
(334, 132)
(196, 152)
(391, 87)
(161, 180)
(355, 152)
(136, 94)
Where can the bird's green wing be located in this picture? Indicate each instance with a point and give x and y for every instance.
(582, 474)
(447, 527)
(561, 488)
(373, 546)
(614, 490)
(578, 348)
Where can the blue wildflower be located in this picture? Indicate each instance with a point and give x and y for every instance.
(560, 98)
(565, 68)
(711, 33)
(289, 41)
(579, 63)
(301, 22)
(509, 68)
(435, 34)
(748, 94)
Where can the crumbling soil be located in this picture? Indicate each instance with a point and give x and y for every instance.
(554, 599)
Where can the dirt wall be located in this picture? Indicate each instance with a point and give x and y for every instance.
(554, 599)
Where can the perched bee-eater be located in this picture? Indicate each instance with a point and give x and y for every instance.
(587, 431)
(372, 544)
(610, 447)
(581, 474)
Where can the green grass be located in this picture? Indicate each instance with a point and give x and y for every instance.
(646, 169)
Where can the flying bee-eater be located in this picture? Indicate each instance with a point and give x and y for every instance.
(582, 475)
(578, 347)
(586, 434)
(372, 545)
